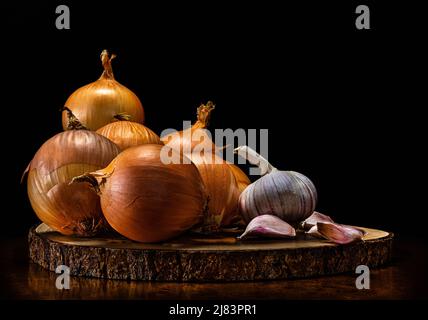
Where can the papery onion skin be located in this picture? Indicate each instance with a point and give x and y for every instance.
(146, 200)
(287, 194)
(242, 181)
(96, 104)
(127, 134)
(241, 178)
(222, 190)
(69, 209)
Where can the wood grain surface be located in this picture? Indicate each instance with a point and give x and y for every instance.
(198, 258)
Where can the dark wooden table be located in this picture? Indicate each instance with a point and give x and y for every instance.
(404, 278)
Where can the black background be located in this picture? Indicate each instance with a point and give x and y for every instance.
(341, 104)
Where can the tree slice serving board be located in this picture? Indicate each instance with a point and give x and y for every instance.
(198, 258)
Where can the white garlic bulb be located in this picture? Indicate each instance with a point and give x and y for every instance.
(288, 195)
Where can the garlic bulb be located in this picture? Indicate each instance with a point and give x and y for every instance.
(287, 194)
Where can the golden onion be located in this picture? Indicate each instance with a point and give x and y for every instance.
(126, 134)
(145, 199)
(97, 103)
(217, 175)
(69, 209)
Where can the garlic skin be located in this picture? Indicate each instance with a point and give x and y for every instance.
(314, 218)
(268, 226)
(313, 232)
(287, 194)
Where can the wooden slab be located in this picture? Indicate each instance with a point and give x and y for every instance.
(198, 258)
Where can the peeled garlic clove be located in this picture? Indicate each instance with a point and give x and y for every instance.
(339, 233)
(312, 221)
(268, 226)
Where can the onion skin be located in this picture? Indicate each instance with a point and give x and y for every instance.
(127, 134)
(287, 194)
(146, 200)
(242, 181)
(241, 178)
(69, 209)
(96, 104)
(222, 189)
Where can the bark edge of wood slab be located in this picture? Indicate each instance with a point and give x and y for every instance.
(186, 260)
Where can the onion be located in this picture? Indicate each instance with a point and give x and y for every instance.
(146, 200)
(96, 104)
(287, 194)
(197, 136)
(69, 209)
(126, 134)
(217, 174)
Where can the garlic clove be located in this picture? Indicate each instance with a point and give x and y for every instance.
(339, 233)
(312, 221)
(268, 226)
